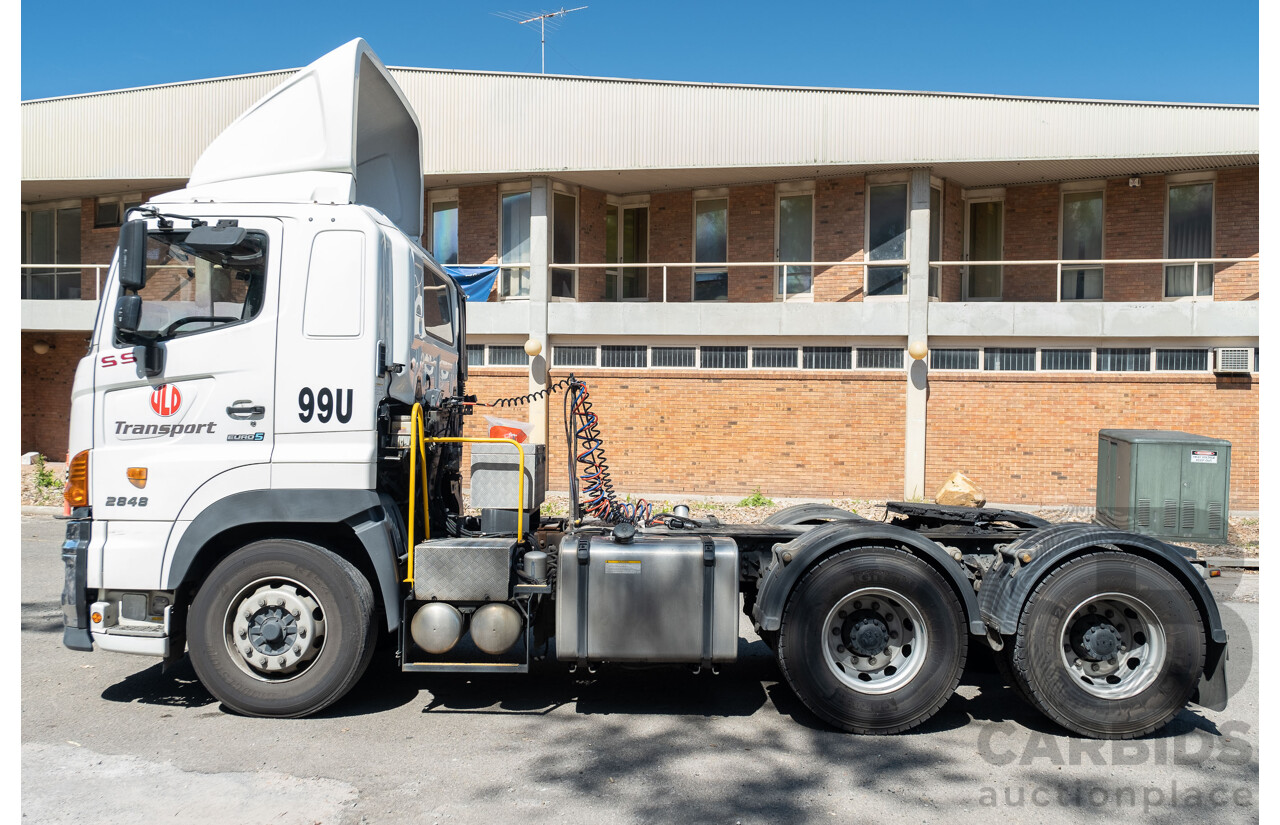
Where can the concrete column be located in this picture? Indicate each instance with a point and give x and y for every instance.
(539, 297)
(917, 335)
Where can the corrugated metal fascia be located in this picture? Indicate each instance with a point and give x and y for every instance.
(485, 123)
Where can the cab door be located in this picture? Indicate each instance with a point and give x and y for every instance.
(207, 412)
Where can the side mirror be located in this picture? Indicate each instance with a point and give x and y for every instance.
(133, 257)
(128, 312)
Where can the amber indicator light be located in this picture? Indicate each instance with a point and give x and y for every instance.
(77, 493)
(137, 476)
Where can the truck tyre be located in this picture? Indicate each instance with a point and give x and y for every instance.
(281, 628)
(873, 640)
(1109, 645)
(810, 514)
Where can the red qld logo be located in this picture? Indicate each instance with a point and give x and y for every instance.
(166, 400)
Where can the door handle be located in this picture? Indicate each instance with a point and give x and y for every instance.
(245, 410)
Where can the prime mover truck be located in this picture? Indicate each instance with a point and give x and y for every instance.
(267, 476)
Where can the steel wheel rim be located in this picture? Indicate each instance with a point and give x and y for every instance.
(850, 632)
(1141, 646)
(274, 629)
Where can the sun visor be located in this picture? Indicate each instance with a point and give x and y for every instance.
(340, 129)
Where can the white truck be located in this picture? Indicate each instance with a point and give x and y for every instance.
(267, 446)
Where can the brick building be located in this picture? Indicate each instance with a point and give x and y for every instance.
(744, 275)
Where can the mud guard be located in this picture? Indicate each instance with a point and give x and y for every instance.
(370, 515)
(804, 550)
(1011, 580)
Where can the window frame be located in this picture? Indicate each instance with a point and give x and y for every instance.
(971, 198)
(790, 190)
(872, 182)
(1191, 179)
(517, 188)
(1074, 189)
(622, 204)
(72, 270)
(699, 196)
(561, 189)
(446, 196)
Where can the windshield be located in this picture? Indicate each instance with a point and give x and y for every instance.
(190, 290)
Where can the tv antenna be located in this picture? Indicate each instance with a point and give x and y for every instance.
(541, 19)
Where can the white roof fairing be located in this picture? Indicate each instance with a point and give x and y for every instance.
(338, 130)
(631, 136)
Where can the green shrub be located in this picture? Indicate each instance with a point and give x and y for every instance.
(756, 499)
(45, 479)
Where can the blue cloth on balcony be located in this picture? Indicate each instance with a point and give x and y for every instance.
(476, 281)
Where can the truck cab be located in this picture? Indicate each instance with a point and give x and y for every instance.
(264, 331)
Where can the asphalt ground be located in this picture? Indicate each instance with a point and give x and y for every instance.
(109, 738)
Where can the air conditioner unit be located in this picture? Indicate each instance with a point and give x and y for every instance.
(1232, 359)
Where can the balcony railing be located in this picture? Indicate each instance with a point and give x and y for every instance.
(63, 281)
(786, 293)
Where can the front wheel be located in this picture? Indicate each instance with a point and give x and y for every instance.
(873, 640)
(281, 628)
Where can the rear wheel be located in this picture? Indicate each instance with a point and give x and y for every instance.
(281, 628)
(873, 640)
(1109, 645)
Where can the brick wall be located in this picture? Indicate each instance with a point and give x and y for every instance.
(1133, 227)
(838, 235)
(46, 390)
(1236, 234)
(952, 240)
(1033, 438)
(1030, 233)
(671, 239)
(726, 433)
(591, 243)
(751, 238)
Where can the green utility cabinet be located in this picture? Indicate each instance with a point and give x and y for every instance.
(1171, 485)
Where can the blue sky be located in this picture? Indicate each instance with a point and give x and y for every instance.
(1173, 50)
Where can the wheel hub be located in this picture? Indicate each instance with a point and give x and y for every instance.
(275, 628)
(1113, 645)
(874, 640)
(866, 633)
(1095, 639)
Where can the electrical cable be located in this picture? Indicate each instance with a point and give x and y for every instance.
(519, 400)
(587, 449)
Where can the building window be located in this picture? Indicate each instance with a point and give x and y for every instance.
(1122, 359)
(1182, 360)
(953, 359)
(935, 241)
(1081, 241)
(622, 356)
(444, 231)
(626, 241)
(828, 358)
(1065, 359)
(564, 245)
(795, 243)
(54, 240)
(516, 213)
(724, 358)
(887, 240)
(711, 245)
(508, 356)
(1189, 234)
(574, 356)
(106, 212)
(879, 358)
(985, 241)
(674, 356)
(1009, 359)
(776, 358)
(475, 355)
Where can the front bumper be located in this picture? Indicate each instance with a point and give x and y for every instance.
(75, 590)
